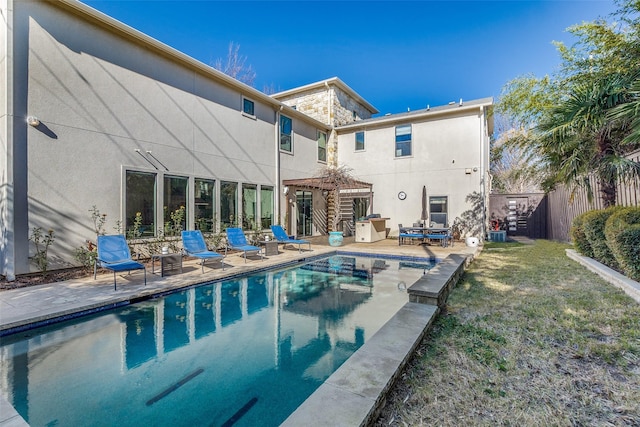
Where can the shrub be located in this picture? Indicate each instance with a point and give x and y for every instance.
(579, 238)
(42, 241)
(86, 255)
(593, 226)
(622, 230)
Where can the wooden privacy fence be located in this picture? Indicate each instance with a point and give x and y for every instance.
(550, 216)
(563, 209)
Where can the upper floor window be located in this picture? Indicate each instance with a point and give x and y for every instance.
(403, 140)
(322, 146)
(359, 141)
(286, 134)
(248, 107)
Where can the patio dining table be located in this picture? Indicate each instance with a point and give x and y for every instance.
(443, 234)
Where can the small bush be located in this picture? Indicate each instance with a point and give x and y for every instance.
(593, 226)
(622, 231)
(579, 238)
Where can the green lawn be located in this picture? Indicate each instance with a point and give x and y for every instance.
(528, 338)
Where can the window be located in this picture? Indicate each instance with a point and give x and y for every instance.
(438, 211)
(174, 203)
(359, 141)
(403, 140)
(360, 208)
(228, 204)
(140, 204)
(249, 206)
(322, 146)
(286, 134)
(248, 107)
(266, 206)
(204, 193)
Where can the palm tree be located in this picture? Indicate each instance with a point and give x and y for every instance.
(630, 111)
(579, 137)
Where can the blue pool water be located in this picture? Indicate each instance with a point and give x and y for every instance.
(241, 352)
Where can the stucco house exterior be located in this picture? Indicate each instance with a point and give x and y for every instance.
(96, 113)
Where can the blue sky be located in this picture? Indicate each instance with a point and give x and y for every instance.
(397, 55)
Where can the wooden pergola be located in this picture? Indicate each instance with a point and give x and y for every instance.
(339, 194)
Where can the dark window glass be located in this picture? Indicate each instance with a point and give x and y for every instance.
(438, 211)
(228, 204)
(266, 206)
(249, 206)
(286, 134)
(359, 141)
(403, 140)
(248, 106)
(175, 204)
(204, 192)
(140, 204)
(322, 146)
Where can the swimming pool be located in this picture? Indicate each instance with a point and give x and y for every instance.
(246, 351)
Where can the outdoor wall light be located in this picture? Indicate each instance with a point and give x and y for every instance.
(285, 190)
(33, 121)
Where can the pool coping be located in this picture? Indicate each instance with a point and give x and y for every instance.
(356, 391)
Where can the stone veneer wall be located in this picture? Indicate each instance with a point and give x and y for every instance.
(315, 103)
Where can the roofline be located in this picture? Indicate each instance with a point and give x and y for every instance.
(331, 81)
(111, 24)
(419, 114)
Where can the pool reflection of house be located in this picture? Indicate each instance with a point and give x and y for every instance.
(184, 317)
(250, 327)
(120, 121)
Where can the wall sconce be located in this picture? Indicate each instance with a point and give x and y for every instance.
(325, 193)
(285, 190)
(33, 121)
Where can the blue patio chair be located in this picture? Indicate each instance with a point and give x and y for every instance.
(281, 237)
(114, 254)
(236, 240)
(194, 245)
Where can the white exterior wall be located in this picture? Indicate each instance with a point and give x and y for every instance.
(100, 96)
(443, 148)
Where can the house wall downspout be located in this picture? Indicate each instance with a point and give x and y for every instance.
(279, 192)
(483, 180)
(14, 204)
